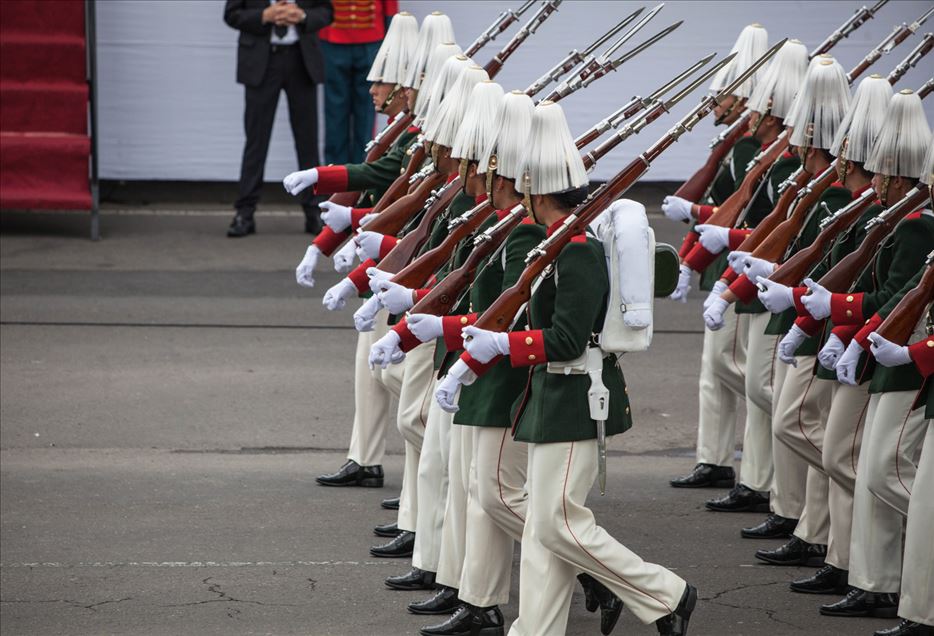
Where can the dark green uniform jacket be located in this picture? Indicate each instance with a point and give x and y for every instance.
(373, 178)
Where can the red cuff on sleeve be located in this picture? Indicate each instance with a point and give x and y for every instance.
(356, 215)
(421, 293)
(527, 348)
(478, 367)
(328, 240)
(451, 327)
(744, 289)
(359, 278)
(689, 242)
(331, 179)
(729, 275)
(386, 245)
(862, 336)
(796, 294)
(845, 332)
(737, 237)
(699, 258)
(846, 309)
(808, 325)
(923, 355)
(705, 212)
(408, 341)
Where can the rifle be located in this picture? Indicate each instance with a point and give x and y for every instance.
(841, 276)
(896, 37)
(900, 323)
(500, 314)
(700, 182)
(416, 273)
(548, 7)
(503, 22)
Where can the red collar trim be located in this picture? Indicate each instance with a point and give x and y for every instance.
(452, 177)
(480, 199)
(858, 193)
(557, 224)
(414, 130)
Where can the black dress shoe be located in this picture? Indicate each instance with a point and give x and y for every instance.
(353, 474)
(398, 548)
(387, 530)
(469, 621)
(774, 527)
(676, 623)
(390, 504)
(795, 552)
(706, 476)
(241, 226)
(589, 584)
(444, 602)
(827, 580)
(907, 628)
(862, 603)
(414, 579)
(740, 499)
(313, 224)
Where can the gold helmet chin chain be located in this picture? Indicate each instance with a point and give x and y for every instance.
(842, 170)
(527, 193)
(392, 95)
(884, 190)
(490, 175)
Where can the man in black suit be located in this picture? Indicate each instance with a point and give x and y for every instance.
(278, 50)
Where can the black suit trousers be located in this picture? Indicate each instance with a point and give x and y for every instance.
(285, 71)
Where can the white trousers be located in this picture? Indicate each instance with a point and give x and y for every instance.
(562, 538)
(415, 396)
(454, 529)
(756, 468)
(432, 487)
(842, 440)
(497, 502)
(720, 387)
(814, 522)
(917, 599)
(891, 438)
(371, 406)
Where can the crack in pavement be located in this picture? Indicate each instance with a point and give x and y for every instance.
(223, 597)
(92, 607)
(769, 613)
(739, 588)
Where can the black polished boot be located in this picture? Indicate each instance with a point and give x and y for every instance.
(827, 580)
(387, 530)
(390, 504)
(907, 628)
(353, 474)
(676, 623)
(469, 621)
(241, 226)
(414, 579)
(706, 476)
(313, 223)
(795, 552)
(862, 603)
(399, 547)
(774, 527)
(598, 596)
(589, 584)
(444, 602)
(740, 499)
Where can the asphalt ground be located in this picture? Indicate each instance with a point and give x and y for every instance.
(168, 396)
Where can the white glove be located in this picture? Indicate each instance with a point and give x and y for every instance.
(449, 385)
(789, 344)
(368, 217)
(425, 327)
(831, 352)
(344, 257)
(846, 365)
(368, 245)
(336, 297)
(304, 273)
(684, 284)
(298, 181)
(756, 267)
(818, 301)
(364, 319)
(718, 288)
(737, 261)
(483, 345)
(714, 238)
(776, 297)
(386, 351)
(377, 276)
(676, 208)
(337, 217)
(394, 297)
(713, 315)
(887, 353)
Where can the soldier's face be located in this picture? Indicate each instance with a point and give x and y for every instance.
(722, 109)
(410, 95)
(474, 184)
(380, 91)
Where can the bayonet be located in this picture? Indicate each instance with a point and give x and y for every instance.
(503, 22)
(917, 53)
(858, 19)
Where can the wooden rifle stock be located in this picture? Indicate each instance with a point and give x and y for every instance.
(400, 186)
(391, 220)
(842, 275)
(697, 184)
(898, 325)
(778, 214)
(387, 136)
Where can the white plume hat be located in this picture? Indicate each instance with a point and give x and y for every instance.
(904, 140)
(927, 177)
(551, 163)
(863, 121)
(443, 129)
(391, 61)
(820, 106)
(776, 91)
(442, 53)
(448, 81)
(752, 43)
(510, 137)
(436, 29)
(484, 108)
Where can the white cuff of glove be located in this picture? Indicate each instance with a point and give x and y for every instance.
(462, 373)
(789, 344)
(425, 327)
(364, 319)
(846, 365)
(713, 316)
(304, 273)
(718, 288)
